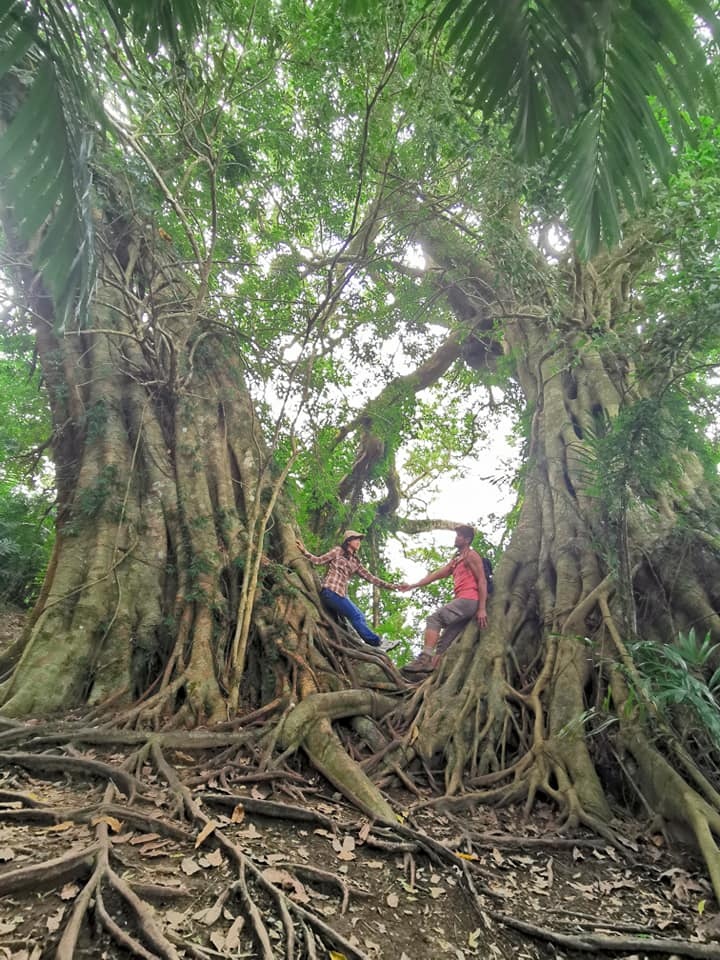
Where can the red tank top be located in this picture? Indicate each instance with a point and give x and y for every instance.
(465, 584)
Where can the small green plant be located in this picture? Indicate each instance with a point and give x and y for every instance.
(673, 680)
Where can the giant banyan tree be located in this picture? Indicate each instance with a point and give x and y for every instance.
(295, 259)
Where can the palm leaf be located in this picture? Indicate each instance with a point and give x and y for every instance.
(48, 110)
(584, 75)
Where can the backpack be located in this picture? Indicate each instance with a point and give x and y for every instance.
(487, 567)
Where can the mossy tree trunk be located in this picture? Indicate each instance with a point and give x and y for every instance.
(539, 703)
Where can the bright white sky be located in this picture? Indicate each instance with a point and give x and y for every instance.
(473, 499)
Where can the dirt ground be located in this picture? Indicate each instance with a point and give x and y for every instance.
(484, 884)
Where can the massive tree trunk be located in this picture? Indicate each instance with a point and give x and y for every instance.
(176, 594)
(548, 699)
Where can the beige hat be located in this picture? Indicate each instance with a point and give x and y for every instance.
(353, 535)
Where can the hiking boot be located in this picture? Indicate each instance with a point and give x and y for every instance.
(423, 663)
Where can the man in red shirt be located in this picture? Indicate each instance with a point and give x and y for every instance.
(470, 600)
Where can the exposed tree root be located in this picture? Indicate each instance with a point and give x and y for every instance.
(121, 905)
(45, 761)
(270, 808)
(48, 873)
(308, 725)
(597, 943)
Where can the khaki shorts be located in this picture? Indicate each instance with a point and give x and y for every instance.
(451, 620)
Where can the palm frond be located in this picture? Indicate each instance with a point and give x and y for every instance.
(43, 164)
(587, 75)
(48, 111)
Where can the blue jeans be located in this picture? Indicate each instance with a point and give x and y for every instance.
(346, 609)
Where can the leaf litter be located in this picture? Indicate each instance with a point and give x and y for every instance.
(397, 906)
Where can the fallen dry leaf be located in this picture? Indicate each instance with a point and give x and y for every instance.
(282, 878)
(143, 838)
(238, 814)
(69, 891)
(218, 941)
(232, 938)
(189, 866)
(212, 914)
(324, 833)
(344, 848)
(111, 822)
(209, 828)
(392, 900)
(54, 920)
(155, 849)
(252, 833)
(60, 827)
(174, 918)
(6, 853)
(213, 859)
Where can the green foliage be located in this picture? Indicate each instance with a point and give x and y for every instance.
(26, 495)
(26, 538)
(96, 418)
(323, 159)
(673, 679)
(582, 77)
(634, 455)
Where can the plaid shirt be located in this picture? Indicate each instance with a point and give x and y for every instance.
(341, 568)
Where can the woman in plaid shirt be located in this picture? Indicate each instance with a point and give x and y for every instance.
(342, 563)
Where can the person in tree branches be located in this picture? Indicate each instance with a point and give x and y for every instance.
(342, 564)
(470, 600)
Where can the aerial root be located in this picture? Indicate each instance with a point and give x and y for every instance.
(676, 801)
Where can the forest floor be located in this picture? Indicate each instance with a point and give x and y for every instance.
(384, 894)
